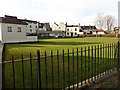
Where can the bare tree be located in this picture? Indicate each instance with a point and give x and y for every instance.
(110, 22)
(105, 21)
(100, 20)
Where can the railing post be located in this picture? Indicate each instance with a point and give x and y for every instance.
(39, 69)
(2, 49)
(118, 66)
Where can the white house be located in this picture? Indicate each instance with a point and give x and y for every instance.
(58, 27)
(32, 25)
(73, 30)
(62, 27)
(55, 27)
(14, 30)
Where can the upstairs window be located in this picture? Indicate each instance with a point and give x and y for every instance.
(19, 29)
(75, 29)
(9, 29)
(30, 26)
(67, 29)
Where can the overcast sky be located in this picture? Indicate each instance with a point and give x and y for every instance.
(71, 11)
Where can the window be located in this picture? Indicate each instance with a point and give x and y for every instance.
(75, 33)
(30, 26)
(19, 29)
(36, 26)
(67, 33)
(67, 29)
(30, 30)
(9, 29)
(75, 29)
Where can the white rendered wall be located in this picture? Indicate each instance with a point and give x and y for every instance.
(119, 14)
(34, 27)
(13, 36)
(72, 30)
(0, 33)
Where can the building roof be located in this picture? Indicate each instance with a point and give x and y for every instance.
(56, 24)
(31, 21)
(46, 25)
(41, 25)
(11, 20)
(88, 27)
(86, 31)
(72, 25)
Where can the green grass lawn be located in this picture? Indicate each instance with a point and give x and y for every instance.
(87, 70)
(53, 44)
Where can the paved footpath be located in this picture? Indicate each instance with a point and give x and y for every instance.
(1, 46)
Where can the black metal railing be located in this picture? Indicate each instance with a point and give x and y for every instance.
(64, 70)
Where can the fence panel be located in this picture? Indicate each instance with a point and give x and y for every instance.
(68, 69)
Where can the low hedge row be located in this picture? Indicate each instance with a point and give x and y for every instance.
(99, 35)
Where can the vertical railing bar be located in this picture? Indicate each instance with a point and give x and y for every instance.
(68, 70)
(85, 66)
(81, 66)
(98, 62)
(88, 65)
(114, 54)
(103, 60)
(63, 70)
(39, 69)
(73, 67)
(52, 70)
(106, 61)
(23, 72)
(95, 63)
(116, 61)
(3, 66)
(58, 69)
(77, 70)
(111, 56)
(118, 66)
(46, 70)
(31, 72)
(13, 66)
(108, 58)
(92, 65)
